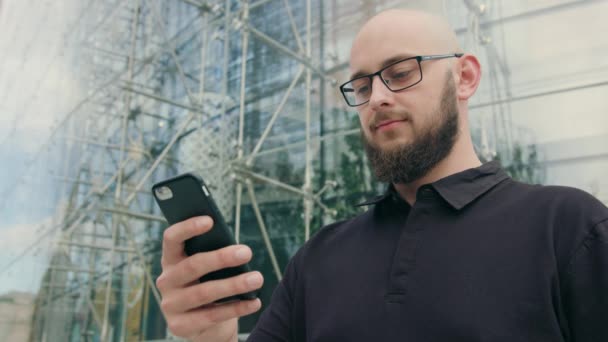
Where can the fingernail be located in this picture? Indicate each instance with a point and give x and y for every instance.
(242, 253)
(254, 279)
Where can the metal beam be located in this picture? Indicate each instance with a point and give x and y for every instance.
(287, 51)
(532, 14)
(94, 246)
(140, 216)
(162, 99)
(72, 269)
(264, 231)
(540, 94)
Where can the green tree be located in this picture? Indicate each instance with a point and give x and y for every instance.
(524, 165)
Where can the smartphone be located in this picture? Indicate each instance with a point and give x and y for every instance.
(186, 196)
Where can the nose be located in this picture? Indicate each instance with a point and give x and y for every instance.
(381, 96)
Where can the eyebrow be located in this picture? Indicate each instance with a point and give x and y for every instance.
(385, 63)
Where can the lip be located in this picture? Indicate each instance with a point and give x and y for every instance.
(387, 124)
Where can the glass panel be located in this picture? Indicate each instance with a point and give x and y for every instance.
(101, 99)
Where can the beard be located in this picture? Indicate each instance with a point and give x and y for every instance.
(411, 161)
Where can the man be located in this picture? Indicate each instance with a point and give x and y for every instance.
(454, 251)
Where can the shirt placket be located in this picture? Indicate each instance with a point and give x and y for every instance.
(404, 260)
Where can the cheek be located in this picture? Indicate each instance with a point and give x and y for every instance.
(424, 111)
(364, 118)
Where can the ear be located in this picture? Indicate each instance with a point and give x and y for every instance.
(468, 75)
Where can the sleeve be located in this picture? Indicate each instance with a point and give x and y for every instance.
(586, 288)
(275, 323)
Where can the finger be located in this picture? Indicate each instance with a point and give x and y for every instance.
(175, 236)
(194, 322)
(211, 291)
(197, 265)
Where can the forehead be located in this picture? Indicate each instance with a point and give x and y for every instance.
(380, 40)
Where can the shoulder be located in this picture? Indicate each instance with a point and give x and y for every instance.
(326, 239)
(570, 216)
(562, 202)
(336, 232)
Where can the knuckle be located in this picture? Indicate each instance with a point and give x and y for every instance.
(201, 258)
(168, 235)
(202, 294)
(191, 265)
(209, 261)
(246, 286)
(165, 306)
(191, 223)
(233, 286)
(160, 282)
(242, 309)
(240, 285)
(225, 256)
(176, 327)
(216, 316)
(207, 221)
(200, 222)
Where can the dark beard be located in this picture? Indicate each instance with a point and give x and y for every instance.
(412, 161)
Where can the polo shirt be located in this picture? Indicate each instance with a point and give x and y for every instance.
(478, 257)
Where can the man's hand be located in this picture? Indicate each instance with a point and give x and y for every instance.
(187, 304)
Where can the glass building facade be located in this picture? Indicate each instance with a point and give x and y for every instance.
(245, 94)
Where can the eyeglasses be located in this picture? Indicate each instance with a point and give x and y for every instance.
(396, 77)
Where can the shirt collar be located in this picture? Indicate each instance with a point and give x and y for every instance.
(458, 189)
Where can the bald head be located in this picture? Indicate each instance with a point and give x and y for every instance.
(400, 31)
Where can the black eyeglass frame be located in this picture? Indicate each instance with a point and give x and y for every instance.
(379, 72)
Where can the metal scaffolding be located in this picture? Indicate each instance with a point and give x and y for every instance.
(222, 88)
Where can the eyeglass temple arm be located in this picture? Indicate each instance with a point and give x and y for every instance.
(426, 58)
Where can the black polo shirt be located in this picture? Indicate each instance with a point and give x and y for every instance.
(478, 257)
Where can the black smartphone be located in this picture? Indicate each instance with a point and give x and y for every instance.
(186, 196)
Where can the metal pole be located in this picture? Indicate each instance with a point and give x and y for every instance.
(105, 325)
(280, 47)
(540, 94)
(117, 195)
(252, 175)
(225, 65)
(109, 146)
(314, 140)
(239, 186)
(308, 168)
(169, 42)
(274, 117)
(93, 246)
(258, 215)
(94, 313)
(201, 77)
(294, 29)
(159, 158)
(142, 261)
(140, 216)
(88, 288)
(163, 99)
(89, 183)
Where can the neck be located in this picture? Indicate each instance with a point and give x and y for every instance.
(462, 157)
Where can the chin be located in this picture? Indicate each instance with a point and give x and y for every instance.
(386, 142)
(393, 145)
